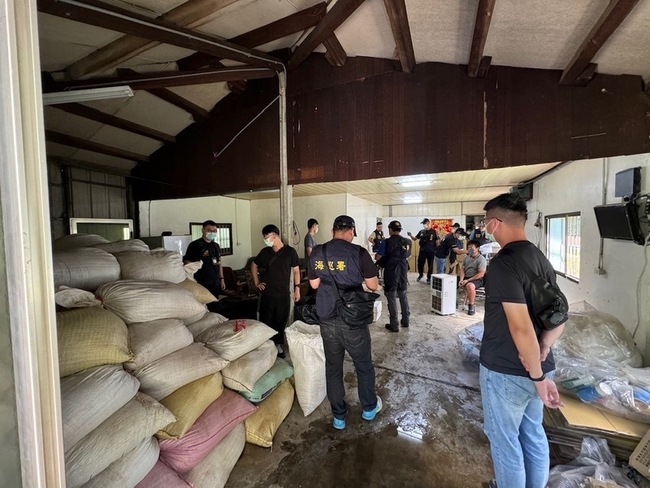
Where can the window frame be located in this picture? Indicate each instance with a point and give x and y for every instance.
(566, 244)
(225, 250)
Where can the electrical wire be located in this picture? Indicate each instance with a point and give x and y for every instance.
(638, 285)
(296, 233)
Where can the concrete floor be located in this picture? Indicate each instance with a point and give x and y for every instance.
(429, 433)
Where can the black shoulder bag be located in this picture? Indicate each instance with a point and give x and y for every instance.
(547, 302)
(355, 307)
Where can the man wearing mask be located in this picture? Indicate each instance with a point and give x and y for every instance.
(393, 256)
(206, 250)
(429, 240)
(472, 273)
(516, 352)
(449, 245)
(271, 272)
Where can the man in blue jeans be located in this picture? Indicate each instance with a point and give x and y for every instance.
(448, 245)
(346, 265)
(516, 358)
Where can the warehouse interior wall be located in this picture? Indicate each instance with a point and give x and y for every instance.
(624, 288)
(175, 216)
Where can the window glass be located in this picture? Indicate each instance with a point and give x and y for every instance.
(224, 236)
(563, 244)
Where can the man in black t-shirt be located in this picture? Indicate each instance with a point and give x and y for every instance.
(515, 353)
(207, 251)
(271, 271)
(347, 266)
(429, 240)
(449, 244)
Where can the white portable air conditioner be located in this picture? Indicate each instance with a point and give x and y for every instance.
(443, 294)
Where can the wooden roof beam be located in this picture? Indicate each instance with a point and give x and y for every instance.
(335, 54)
(478, 64)
(191, 14)
(304, 19)
(338, 14)
(85, 144)
(95, 12)
(104, 118)
(399, 24)
(580, 69)
(199, 114)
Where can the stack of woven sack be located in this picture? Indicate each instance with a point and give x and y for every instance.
(162, 357)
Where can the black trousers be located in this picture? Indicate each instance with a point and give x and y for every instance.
(274, 312)
(428, 257)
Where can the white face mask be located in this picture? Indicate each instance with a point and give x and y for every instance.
(471, 252)
(211, 236)
(268, 242)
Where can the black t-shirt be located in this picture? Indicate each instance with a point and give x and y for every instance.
(428, 240)
(275, 269)
(349, 265)
(509, 283)
(210, 255)
(394, 259)
(445, 247)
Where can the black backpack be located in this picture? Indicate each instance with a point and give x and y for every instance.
(546, 301)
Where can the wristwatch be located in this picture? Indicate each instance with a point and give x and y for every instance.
(537, 380)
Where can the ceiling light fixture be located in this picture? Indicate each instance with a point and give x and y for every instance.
(88, 95)
(413, 199)
(410, 184)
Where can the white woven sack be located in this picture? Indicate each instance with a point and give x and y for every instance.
(122, 432)
(215, 469)
(308, 358)
(75, 298)
(90, 397)
(242, 373)
(169, 373)
(84, 268)
(130, 469)
(208, 320)
(73, 241)
(156, 265)
(143, 301)
(153, 340)
(123, 246)
(191, 268)
(376, 311)
(230, 340)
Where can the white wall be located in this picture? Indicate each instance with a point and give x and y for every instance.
(579, 186)
(365, 215)
(175, 216)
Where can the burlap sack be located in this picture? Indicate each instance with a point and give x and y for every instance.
(144, 301)
(130, 469)
(122, 432)
(208, 320)
(75, 298)
(153, 340)
(167, 374)
(159, 265)
(89, 337)
(188, 403)
(215, 469)
(264, 423)
(73, 241)
(233, 339)
(200, 292)
(242, 373)
(85, 268)
(123, 246)
(90, 397)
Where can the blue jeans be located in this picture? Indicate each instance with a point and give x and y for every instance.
(441, 264)
(337, 338)
(513, 414)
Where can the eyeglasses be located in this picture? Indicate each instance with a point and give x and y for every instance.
(486, 222)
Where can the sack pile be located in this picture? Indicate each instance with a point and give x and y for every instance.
(155, 390)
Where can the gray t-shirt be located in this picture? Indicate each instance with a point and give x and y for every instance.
(309, 242)
(473, 265)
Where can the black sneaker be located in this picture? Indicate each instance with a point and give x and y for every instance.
(390, 328)
(405, 325)
(419, 278)
(471, 310)
(280, 351)
(428, 281)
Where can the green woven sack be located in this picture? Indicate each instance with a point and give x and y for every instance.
(280, 371)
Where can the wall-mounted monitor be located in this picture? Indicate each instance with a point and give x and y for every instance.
(619, 221)
(111, 229)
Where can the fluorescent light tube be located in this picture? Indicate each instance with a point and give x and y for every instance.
(412, 199)
(88, 95)
(409, 184)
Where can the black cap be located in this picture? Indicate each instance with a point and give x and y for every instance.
(343, 222)
(460, 231)
(425, 221)
(395, 225)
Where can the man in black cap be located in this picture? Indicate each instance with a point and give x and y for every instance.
(346, 266)
(429, 240)
(393, 256)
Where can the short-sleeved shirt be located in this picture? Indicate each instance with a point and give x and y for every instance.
(349, 265)
(509, 283)
(452, 256)
(445, 247)
(394, 253)
(428, 239)
(275, 269)
(474, 264)
(210, 255)
(310, 242)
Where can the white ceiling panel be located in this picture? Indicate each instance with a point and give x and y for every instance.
(61, 121)
(59, 150)
(205, 96)
(104, 160)
(150, 111)
(153, 8)
(121, 139)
